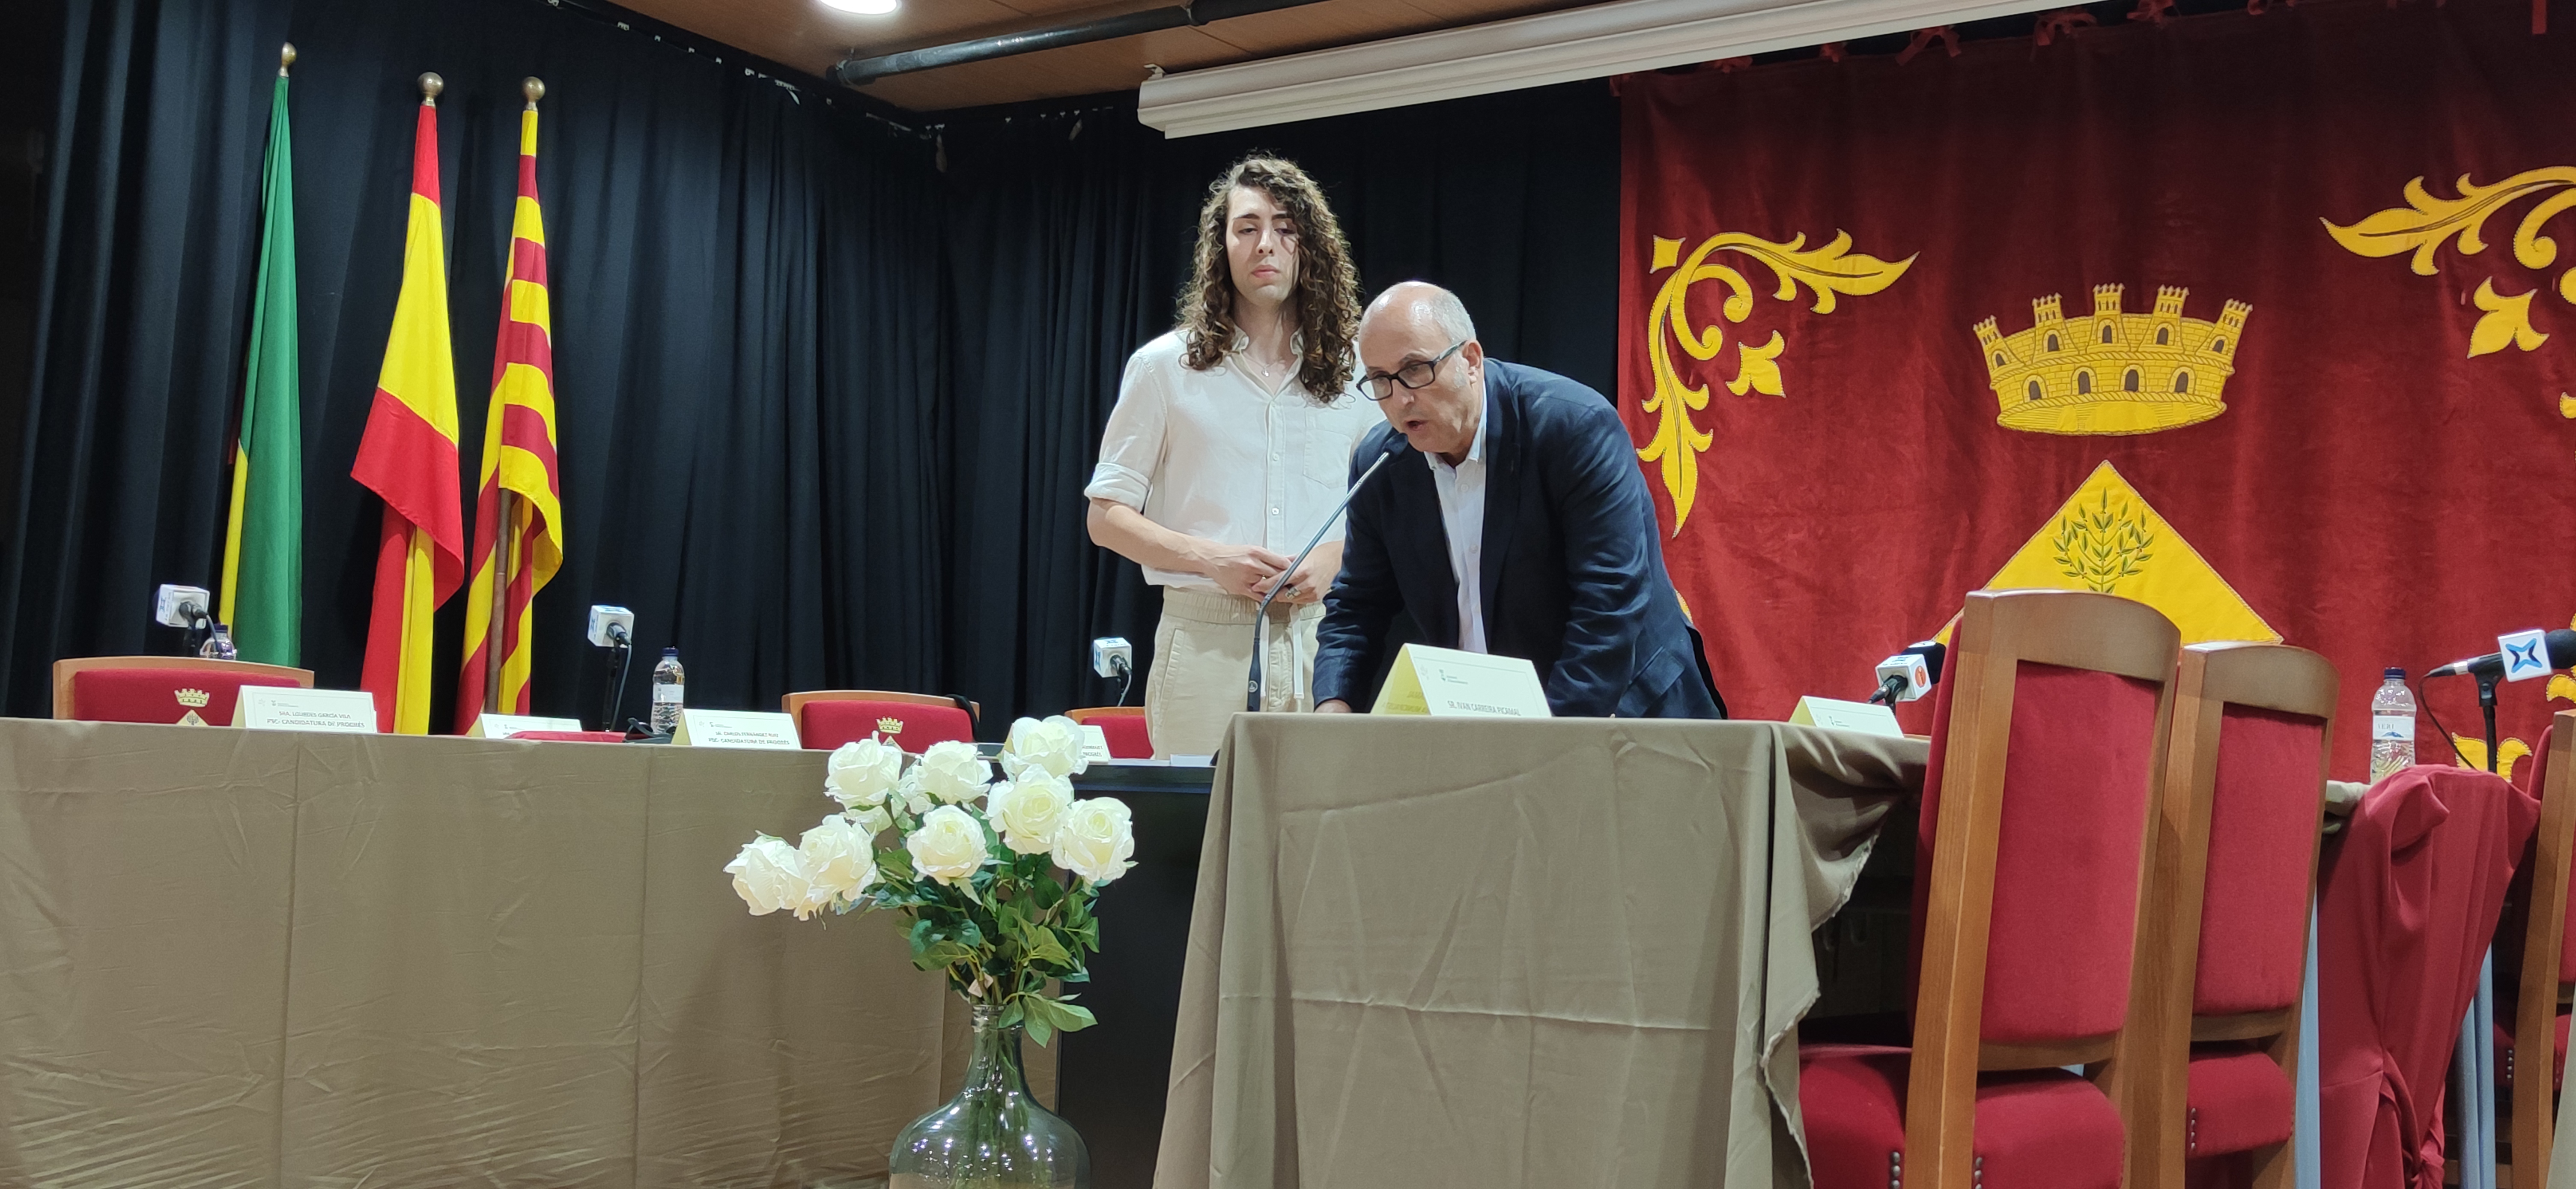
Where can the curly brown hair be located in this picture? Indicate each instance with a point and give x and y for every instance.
(1327, 301)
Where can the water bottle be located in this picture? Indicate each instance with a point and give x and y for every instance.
(219, 647)
(2392, 727)
(668, 682)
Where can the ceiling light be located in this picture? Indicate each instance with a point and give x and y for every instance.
(874, 8)
(1578, 43)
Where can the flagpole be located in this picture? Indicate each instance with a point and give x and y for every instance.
(502, 535)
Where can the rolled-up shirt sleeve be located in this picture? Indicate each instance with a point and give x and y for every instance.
(1131, 448)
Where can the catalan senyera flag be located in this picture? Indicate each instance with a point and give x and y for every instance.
(519, 458)
(408, 457)
(263, 587)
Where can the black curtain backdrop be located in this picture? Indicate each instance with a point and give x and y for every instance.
(827, 389)
(745, 294)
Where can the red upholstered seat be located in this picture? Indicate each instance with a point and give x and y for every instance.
(161, 695)
(912, 726)
(2238, 1099)
(2047, 1129)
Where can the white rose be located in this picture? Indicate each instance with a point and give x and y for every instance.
(908, 796)
(1096, 840)
(769, 875)
(860, 774)
(953, 773)
(1054, 745)
(872, 821)
(949, 846)
(840, 860)
(1028, 810)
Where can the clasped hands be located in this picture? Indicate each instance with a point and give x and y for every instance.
(1251, 571)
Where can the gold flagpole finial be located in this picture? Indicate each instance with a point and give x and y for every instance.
(534, 88)
(285, 57)
(430, 86)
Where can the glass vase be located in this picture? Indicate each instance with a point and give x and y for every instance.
(993, 1135)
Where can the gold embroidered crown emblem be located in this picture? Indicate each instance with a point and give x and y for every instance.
(2112, 372)
(889, 726)
(193, 699)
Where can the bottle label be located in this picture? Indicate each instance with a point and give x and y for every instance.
(671, 693)
(2396, 727)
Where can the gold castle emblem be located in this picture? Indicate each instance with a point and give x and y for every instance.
(889, 726)
(193, 699)
(2112, 372)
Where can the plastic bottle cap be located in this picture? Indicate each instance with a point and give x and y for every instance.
(2395, 672)
(670, 654)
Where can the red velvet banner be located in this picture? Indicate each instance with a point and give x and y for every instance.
(2153, 309)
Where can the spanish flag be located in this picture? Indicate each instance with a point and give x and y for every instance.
(263, 596)
(408, 457)
(519, 459)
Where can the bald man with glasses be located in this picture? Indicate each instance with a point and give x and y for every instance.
(1513, 520)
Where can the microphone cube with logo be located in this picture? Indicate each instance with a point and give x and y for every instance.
(1112, 656)
(1911, 669)
(611, 626)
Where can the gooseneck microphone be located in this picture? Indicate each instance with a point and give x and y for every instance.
(2562, 654)
(1261, 614)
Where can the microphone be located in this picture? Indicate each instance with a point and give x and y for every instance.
(1260, 615)
(2562, 654)
(1911, 673)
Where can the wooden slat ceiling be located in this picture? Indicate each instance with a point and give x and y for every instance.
(807, 35)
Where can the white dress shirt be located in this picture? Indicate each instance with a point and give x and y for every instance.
(1215, 455)
(1462, 515)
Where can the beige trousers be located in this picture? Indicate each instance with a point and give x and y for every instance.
(1203, 663)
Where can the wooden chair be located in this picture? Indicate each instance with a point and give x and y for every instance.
(828, 718)
(1125, 727)
(2048, 739)
(160, 689)
(2223, 953)
(2540, 1027)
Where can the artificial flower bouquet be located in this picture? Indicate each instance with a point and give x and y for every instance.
(997, 876)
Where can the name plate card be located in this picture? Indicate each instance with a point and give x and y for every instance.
(1095, 745)
(762, 730)
(1447, 683)
(284, 708)
(502, 726)
(1869, 718)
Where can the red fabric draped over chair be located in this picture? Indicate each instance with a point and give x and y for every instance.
(2403, 920)
(826, 719)
(163, 689)
(2047, 738)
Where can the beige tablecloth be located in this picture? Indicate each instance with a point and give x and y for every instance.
(269, 959)
(1513, 954)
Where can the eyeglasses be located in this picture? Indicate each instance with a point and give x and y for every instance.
(1417, 374)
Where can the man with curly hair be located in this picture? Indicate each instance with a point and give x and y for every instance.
(1228, 449)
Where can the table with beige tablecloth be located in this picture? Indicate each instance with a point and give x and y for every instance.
(1512, 953)
(274, 959)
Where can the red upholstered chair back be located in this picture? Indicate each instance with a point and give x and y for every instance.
(2262, 844)
(1124, 726)
(2048, 741)
(826, 719)
(2223, 954)
(2550, 774)
(163, 689)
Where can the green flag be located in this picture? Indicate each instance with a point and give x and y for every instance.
(263, 596)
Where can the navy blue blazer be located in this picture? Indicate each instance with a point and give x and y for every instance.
(1573, 576)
